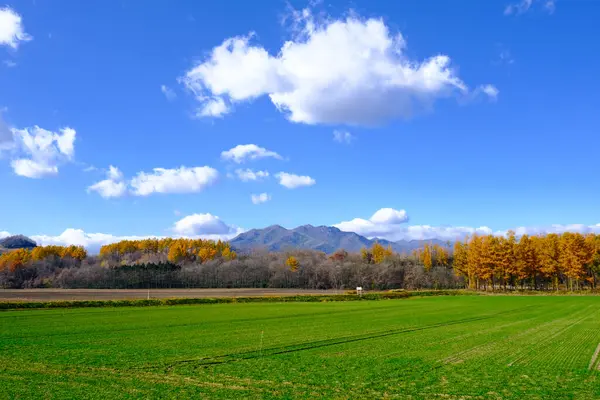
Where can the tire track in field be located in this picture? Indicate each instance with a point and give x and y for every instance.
(456, 339)
(180, 325)
(594, 361)
(204, 322)
(298, 347)
(548, 339)
(486, 347)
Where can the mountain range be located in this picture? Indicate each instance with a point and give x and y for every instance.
(16, 242)
(322, 238)
(327, 239)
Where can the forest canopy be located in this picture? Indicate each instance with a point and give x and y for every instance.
(567, 261)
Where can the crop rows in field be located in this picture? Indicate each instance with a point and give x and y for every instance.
(451, 347)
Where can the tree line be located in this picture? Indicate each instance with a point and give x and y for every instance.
(185, 263)
(567, 261)
(552, 261)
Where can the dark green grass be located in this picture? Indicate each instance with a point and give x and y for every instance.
(389, 295)
(437, 347)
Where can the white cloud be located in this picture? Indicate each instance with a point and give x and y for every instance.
(292, 181)
(381, 224)
(244, 152)
(206, 226)
(214, 107)
(352, 71)
(178, 180)
(260, 198)
(114, 173)
(32, 169)
(390, 224)
(168, 92)
(343, 136)
(556, 228)
(246, 175)
(11, 28)
(91, 241)
(37, 152)
(490, 90)
(525, 5)
(90, 168)
(426, 232)
(113, 186)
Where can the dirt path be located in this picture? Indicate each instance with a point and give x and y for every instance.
(115, 294)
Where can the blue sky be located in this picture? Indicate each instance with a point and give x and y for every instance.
(439, 114)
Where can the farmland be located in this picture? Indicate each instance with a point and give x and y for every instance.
(509, 347)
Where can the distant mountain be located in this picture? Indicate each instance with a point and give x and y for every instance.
(322, 238)
(16, 242)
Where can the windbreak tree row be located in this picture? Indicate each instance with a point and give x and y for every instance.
(567, 261)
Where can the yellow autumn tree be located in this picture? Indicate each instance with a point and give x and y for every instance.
(426, 257)
(474, 258)
(460, 262)
(575, 254)
(380, 253)
(366, 255)
(548, 250)
(177, 253)
(292, 263)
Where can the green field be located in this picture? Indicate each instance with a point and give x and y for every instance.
(455, 347)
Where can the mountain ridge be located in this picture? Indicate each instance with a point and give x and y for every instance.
(323, 238)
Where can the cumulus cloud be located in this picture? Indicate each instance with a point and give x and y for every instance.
(112, 186)
(292, 181)
(32, 169)
(390, 224)
(260, 198)
(168, 92)
(78, 237)
(343, 137)
(245, 152)
(246, 175)
(178, 180)
(36, 152)
(525, 5)
(556, 228)
(160, 180)
(384, 222)
(351, 71)
(207, 226)
(11, 28)
(426, 232)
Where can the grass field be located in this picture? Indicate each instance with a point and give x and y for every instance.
(496, 347)
(119, 294)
